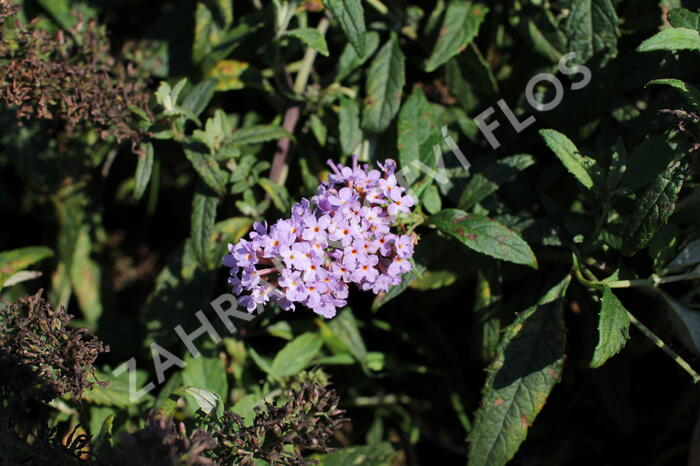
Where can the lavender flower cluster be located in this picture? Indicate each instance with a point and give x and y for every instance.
(342, 236)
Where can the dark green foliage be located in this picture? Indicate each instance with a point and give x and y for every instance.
(549, 277)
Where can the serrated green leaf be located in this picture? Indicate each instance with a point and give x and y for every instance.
(690, 92)
(672, 39)
(207, 167)
(384, 88)
(278, 193)
(319, 129)
(613, 328)
(311, 37)
(528, 364)
(297, 354)
(418, 134)
(485, 235)
(460, 26)
(653, 209)
(351, 17)
(591, 28)
(483, 184)
(144, 167)
(567, 152)
(16, 260)
(204, 205)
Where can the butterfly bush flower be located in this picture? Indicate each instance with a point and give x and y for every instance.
(342, 236)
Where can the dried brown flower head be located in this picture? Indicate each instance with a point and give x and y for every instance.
(72, 77)
(307, 421)
(40, 356)
(163, 443)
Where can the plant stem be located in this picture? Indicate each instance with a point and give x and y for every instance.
(653, 281)
(279, 169)
(658, 342)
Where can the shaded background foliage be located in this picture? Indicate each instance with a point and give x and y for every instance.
(122, 183)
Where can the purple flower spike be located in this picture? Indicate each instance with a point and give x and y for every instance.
(341, 236)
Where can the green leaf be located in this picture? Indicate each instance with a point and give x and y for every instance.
(349, 60)
(653, 209)
(206, 371)
(311, 37)
(344, 327)
(258, 134)
(208, 401)
(349, 126)
(384, 88)
(431, 199)
(488, 307)
(144, 167)
(278, 193)
(690, 92)
(591, 28)
(16, 260)
(528, 363)
(207, 167)
(460, 26)
(380, 454)
(117, 392)
(60, 12)
(648, 160)
(683, 18)
(86, 277)
(351, 17)
(199, 97)
(567, 152)
(204, 205)
(483, 184)
(613, 328)
(319, 129)
(672, 39)
(485, 235)
(418, 134)
(297, 354)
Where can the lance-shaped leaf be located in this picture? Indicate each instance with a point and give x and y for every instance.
(296, 354)
(144, 167)
(528, 363)
(349, 125)
(653, 209)
(351, 17)
(15, 260)
(672, 39)
(459, 28)
(207, 167)
(613, 328)
(567, 152)
(418, 134)
(485, 235)
(385, 81)
(204, 206)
